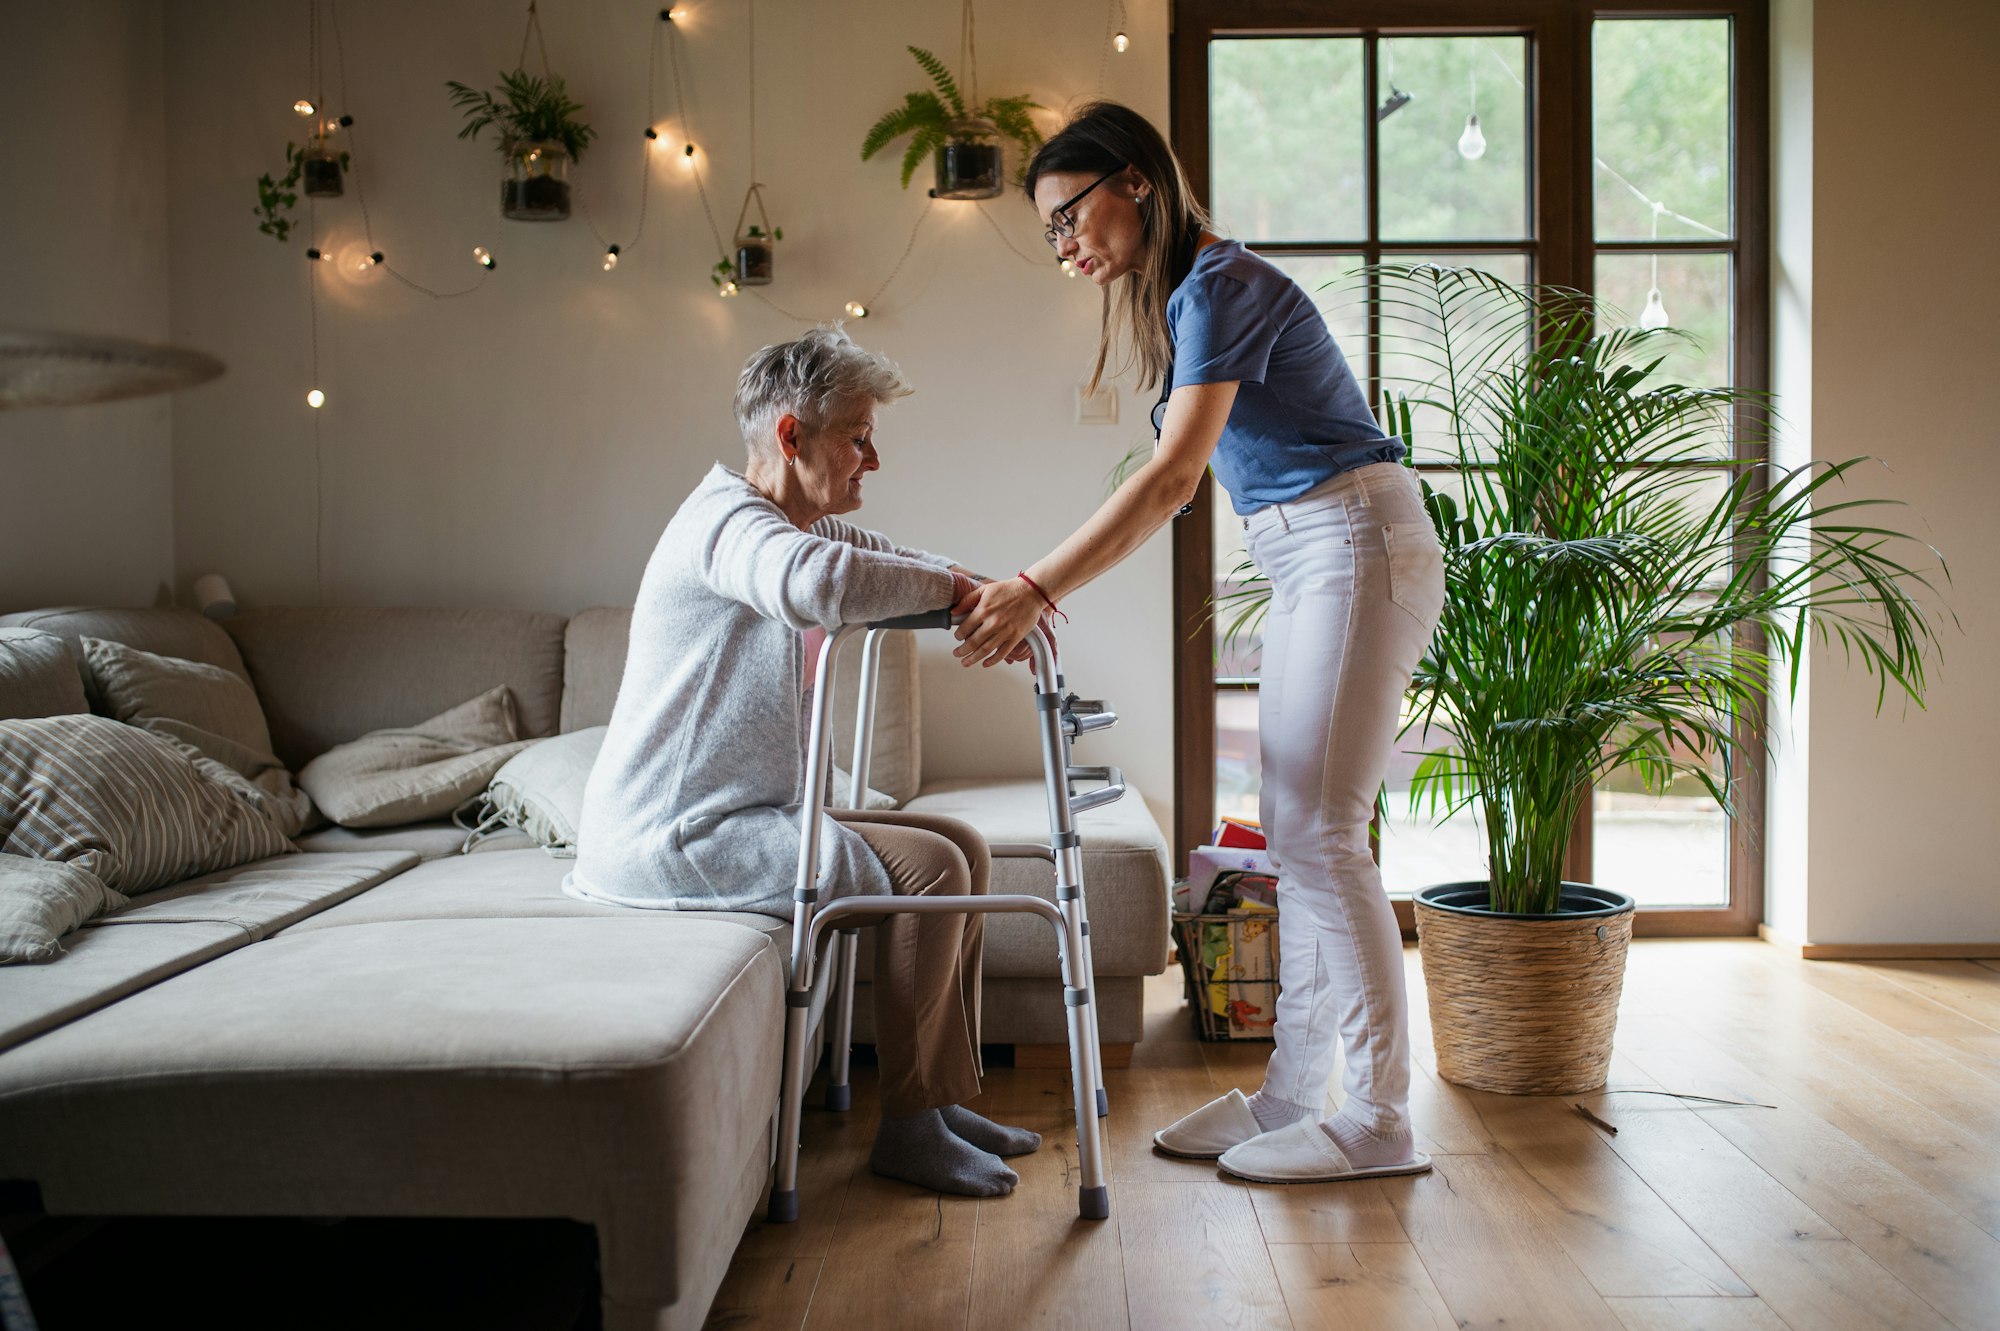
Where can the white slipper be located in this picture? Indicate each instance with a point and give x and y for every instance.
(1223, 1122)
(1303, 1153)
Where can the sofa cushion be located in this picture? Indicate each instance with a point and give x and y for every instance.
(540, 790)
(266, 896)
(595, 663)
(469, 1067)
(97, 968)
(516, 884)
(427, 841)
(212, 710)
(133, 808)
(37, 676)
(1125, 877)
(40, 901)
(327, 676)
(391, 777)
(163, 630)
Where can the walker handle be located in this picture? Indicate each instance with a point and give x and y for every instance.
(929, 619)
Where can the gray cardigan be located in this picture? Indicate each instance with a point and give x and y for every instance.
(695, 798)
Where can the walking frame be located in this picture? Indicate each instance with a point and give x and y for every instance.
(1060, 719)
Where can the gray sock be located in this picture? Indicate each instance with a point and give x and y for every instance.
(987, 1135)
(920, 1149)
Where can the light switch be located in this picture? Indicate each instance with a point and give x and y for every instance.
(1099, 408)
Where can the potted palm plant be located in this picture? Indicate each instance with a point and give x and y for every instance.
(1619, 593)
(541, 136)
(964, 145)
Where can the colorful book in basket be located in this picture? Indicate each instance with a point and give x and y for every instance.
(1240, 834)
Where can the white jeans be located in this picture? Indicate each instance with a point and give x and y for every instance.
(1357, 587)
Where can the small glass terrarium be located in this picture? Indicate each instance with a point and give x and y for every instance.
(968, 165)
(319, 169)
(535, 187)
(755, 242)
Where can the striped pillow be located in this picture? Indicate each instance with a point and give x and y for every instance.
(135, 809)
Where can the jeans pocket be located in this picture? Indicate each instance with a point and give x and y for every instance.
(1416, 570)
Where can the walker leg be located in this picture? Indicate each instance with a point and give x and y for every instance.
(1093, 1194)
(1094, 1048)
(839, 1094)
(784, 1205)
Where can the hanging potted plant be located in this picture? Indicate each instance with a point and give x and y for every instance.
(1609, 608)
(964, 145)
(541, 137)
(316, 165)
(752, 265)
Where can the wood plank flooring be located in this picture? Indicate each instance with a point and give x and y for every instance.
(1868, 1197)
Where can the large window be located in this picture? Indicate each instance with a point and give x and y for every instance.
(1600, 146)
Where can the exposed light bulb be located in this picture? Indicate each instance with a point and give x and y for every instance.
(676, 14)
(856, 310)
(315, 399)
(1655, 313)
(687, 157)
(316, 255)
(728, 289)
(482, 256)
(610, 258)
(1120, 43)
(303, 107)
(1068, 268)
(1472, 143)
(652, 134)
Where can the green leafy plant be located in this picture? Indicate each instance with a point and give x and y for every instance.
(725, 269)
(277, 196)
(929, 116)
(528, 109)
(1618, 591)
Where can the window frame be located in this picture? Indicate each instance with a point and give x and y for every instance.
(1562, 250)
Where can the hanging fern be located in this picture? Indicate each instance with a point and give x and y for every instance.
(532, 110)
(927, 117)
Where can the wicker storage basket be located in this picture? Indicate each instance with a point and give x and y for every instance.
(1523, 1004)
(1245, 944)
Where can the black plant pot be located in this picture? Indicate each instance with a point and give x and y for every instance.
(535, 199)
(968, 169)
(753, 264)
(1578, 900)
(322, 177)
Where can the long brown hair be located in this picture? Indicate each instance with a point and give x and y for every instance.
(1104, 136)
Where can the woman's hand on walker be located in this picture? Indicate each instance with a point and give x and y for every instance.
(998, 618)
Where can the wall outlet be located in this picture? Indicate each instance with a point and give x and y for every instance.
(1099, 408)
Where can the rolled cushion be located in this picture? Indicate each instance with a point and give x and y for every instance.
(37, 677)
(211, 709)
(392, 777)
(40, 901)
(130, 807)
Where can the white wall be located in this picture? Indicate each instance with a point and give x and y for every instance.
(83, 232)
(523, 445)
(1904, 291)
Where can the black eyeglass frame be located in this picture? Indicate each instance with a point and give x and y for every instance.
(1054, 233)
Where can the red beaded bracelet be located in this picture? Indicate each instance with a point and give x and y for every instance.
(1044, 595)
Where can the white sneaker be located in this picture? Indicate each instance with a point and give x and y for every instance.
(1303, 1153)
(1210, 1130)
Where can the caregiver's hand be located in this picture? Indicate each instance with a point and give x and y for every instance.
(998, 618)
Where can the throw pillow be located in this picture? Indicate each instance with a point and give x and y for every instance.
(212, 710)
(37, 676)
(41, 900)
(391, 777)
(131, 807)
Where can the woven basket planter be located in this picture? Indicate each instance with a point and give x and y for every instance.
(1523, 1004)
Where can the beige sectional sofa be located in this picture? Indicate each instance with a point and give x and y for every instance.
(384, 1026)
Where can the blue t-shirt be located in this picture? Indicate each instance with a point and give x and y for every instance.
(1300, 417)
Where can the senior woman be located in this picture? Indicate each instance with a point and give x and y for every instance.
(695, 799)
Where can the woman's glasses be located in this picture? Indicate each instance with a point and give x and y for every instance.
(1061, 225)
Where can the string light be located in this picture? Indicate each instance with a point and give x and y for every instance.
(652, 134)
(687, 157)
(1068, 268)
(315, 399)
(371, 261)
(483, 256)
(1472, 143)
(1121, 43)
(610, 258)
(856, 310)
(1655, 313)
(316, 255)
(675, 14)
(303, 108)
(727, 289)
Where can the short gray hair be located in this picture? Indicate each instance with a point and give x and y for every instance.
(813, 378)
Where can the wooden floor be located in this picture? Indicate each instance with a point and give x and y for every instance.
(1869, 1197)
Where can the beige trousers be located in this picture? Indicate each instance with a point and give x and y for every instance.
(926, 966)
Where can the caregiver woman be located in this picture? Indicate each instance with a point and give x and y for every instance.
(1257, 390)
